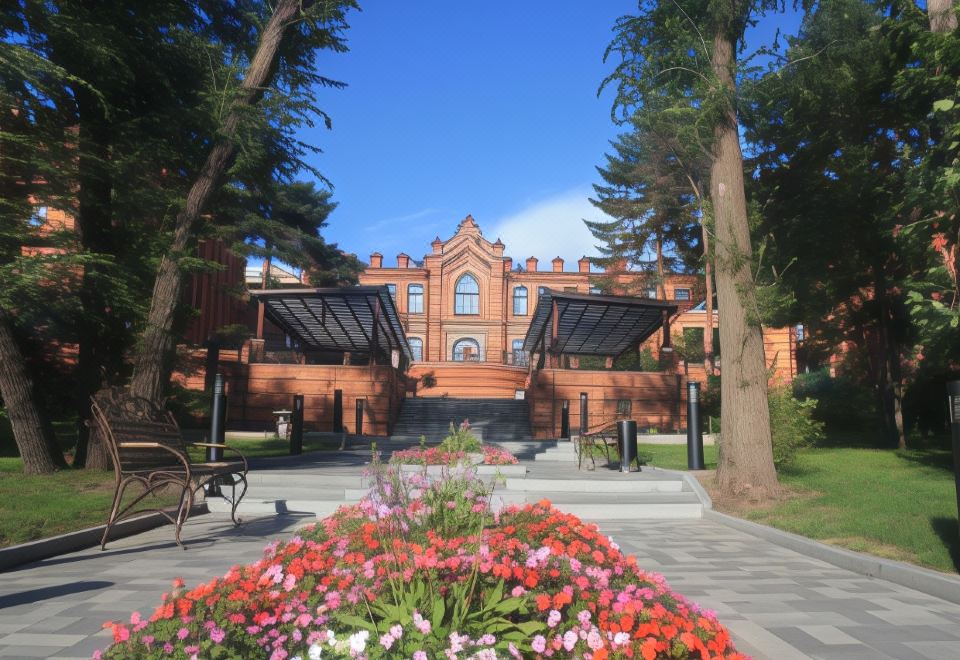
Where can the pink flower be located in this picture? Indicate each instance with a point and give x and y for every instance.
(182, 634)
(217, 635)
(569, 640)
(539, 644)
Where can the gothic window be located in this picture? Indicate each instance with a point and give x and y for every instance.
(415, 299)
(466, 350)
(467, 296)
(520, 301)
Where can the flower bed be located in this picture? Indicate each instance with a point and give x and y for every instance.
(442, 456)
(425, 569)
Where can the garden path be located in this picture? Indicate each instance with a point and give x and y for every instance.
(777, 603)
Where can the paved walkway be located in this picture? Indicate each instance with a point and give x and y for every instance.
(779, 604)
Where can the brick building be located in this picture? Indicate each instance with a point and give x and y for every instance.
(468, 302)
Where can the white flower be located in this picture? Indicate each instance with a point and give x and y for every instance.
(315, 652)
(358, 641)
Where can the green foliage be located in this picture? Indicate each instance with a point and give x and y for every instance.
(793, 422)
(792, 425)
(689, 345)
(843, 404)
(460, 438)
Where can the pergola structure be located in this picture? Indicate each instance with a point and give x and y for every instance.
(358, 319)
(578, 324)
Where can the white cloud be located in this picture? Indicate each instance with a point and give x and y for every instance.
(550, 227)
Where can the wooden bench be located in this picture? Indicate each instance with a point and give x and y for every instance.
(146, 447)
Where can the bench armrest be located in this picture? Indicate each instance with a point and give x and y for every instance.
(224, 446)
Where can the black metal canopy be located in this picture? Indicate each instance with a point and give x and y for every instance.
(580, 324)
(361, 319)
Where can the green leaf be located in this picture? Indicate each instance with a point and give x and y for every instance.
(355, 621)
(439, 609)
(943, 105)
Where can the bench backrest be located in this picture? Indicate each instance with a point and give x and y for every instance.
(120, 418)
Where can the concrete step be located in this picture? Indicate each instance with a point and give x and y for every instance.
(613, 506)
(595, 485)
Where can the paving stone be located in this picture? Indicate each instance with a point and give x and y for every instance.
(777, 603)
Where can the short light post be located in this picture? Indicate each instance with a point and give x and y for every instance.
(953, 401)
(627, 439)
(218, 417)
(694, 428)
(359, 419)
(296, 433)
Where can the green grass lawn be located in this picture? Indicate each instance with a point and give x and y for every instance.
(39, 506)
(899, 505)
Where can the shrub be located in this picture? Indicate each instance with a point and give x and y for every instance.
(792, 424)
(842, 403)
(461, 439)
(426, 570)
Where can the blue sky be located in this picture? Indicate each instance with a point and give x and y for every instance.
(488, 108)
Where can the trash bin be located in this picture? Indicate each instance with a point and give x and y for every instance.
(627, 439)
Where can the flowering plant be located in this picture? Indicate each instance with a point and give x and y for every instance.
(424, 568)
(440, 456)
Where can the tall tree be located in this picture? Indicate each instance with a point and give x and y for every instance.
(287, 33)
(683, 54)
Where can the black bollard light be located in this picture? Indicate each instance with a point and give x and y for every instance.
(218, 417)
(694, 428)
(627, 437)
(359, 417)
(296, 432)
(565, 419)
(584, 418)
(953, 399)
(337, 411)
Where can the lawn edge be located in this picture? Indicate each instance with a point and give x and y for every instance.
(25, 553)
(933, 583)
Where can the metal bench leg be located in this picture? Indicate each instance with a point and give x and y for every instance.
(186, 504)
(235, 501)
(117, 498)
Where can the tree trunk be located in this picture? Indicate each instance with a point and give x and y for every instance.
(890, 382)
(661, 286)
(708, 326)
(32, 433)
(746, 452)
(942, 16)
(154, 357)
(100, 351)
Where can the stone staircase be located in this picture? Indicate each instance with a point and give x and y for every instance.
(492, 420)
(547, 471)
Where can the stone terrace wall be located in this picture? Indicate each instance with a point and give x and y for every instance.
(658, 400)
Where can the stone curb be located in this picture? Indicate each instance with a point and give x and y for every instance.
(82, 539)
(929, 582)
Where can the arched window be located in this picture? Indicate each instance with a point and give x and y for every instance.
(467, 296)
(520, 301)
(416, 347)
(415, 299)
(466, 350)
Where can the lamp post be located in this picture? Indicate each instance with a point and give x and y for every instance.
(953, 402)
